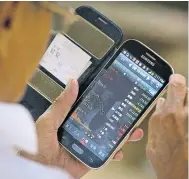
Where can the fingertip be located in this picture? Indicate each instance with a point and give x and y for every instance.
(71, 83)
(73, 87)
(75, 83)
(140, 133)
(137, 135)
(177, 79)
(176, 90)
(118, 156)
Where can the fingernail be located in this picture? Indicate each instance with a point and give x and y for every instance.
(69, 84)
(71, 87)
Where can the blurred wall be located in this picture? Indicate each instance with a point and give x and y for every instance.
(163, 26)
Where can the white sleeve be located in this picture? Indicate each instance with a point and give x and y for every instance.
(17, 129)
(15, 167)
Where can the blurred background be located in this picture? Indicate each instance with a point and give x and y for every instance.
(163, 26)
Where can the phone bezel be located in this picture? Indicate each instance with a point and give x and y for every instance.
(141, 48)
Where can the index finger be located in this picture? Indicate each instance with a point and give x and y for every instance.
(176, 90)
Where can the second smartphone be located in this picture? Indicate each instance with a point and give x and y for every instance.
(37, 103)
(114, 104)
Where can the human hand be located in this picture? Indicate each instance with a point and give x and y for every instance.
(167, 146)
(50, 152)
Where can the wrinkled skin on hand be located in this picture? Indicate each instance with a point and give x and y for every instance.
(167, 147)
(50, 152)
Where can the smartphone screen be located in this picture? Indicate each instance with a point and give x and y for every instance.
(110, 107)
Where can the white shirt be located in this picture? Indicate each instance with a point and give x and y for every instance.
(17, 129)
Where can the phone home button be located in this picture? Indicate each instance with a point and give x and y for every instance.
(90, 159)
(77, 149)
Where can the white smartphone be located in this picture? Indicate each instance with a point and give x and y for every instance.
(114, 104)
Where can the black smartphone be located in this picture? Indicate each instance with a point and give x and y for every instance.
(114, 104)
(34, 100)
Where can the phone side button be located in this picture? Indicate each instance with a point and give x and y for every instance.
(77, 149)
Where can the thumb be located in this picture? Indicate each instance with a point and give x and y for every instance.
(60, 108)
